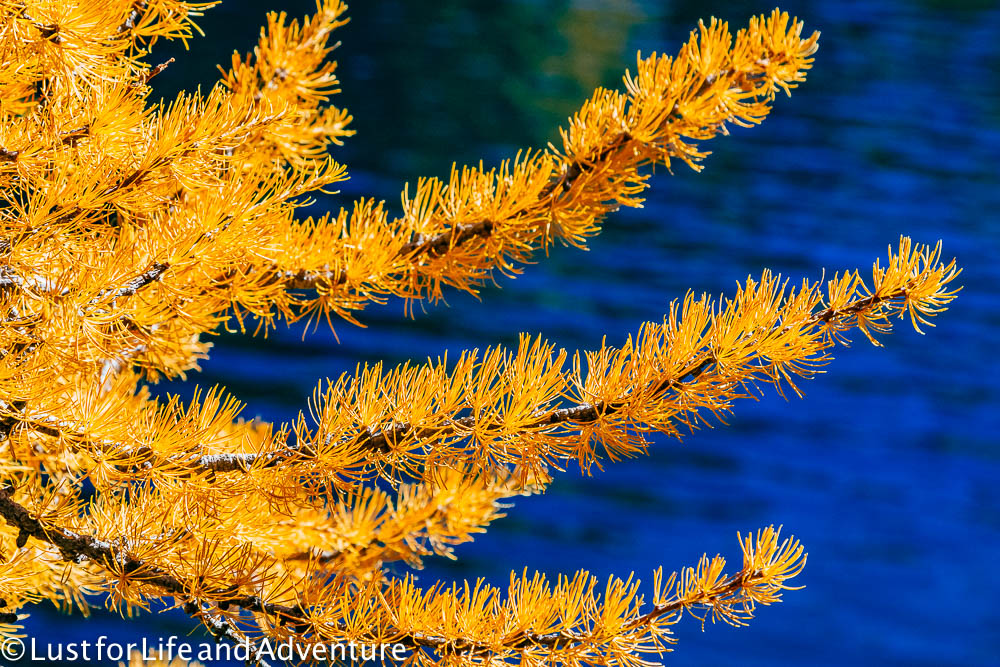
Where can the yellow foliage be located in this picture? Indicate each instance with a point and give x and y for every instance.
(130, 230)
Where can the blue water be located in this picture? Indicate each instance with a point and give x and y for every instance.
(888, 469)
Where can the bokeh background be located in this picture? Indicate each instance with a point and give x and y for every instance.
(887, 471)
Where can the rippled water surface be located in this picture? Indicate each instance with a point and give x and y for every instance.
(888, 469)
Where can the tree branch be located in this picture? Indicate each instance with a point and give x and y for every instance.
(384, 439)
(133, 17)
(439, 244)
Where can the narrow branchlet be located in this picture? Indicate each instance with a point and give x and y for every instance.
(459, 232)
